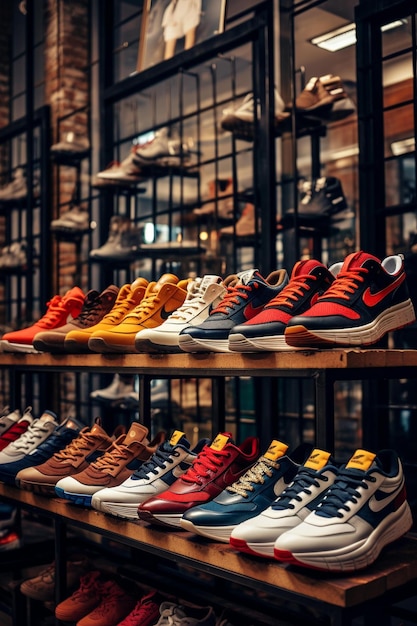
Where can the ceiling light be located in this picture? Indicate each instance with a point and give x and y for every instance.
(403, 146)
(345, 36)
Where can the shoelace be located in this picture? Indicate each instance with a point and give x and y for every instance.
(185, 311)
(208, 460)
(254, 476)
(346, 283)
(88, 584)
(294, 290)
(159, 459)
(120, 309)
(145, 306)
(92, 310)
(171, 617)
(142, 609)
(34, 433)
(110, 459)
(303, 481)
(77, 448)
(343, 490)
(16, 429)
(232, 297)
(111, 593)
(55, 312)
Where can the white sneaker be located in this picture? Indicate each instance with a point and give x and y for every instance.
(203, 294)
(363, 511)
(169, 462)
(118, 389)
(38, 431)
(258, 535)
(75, 220)
(242, 118)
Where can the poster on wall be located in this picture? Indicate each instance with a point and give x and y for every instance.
(170, 26)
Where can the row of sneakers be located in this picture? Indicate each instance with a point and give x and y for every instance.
(354, 303)
(96, 597)
(300, 507)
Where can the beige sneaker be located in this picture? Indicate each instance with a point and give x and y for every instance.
(245, 225)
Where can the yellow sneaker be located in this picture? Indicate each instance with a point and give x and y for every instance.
(160, 300)
(129, 296)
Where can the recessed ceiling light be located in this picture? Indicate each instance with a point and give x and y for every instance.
(345, 36)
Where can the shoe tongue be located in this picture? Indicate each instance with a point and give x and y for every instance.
(304, 267)
(317, 459)
(276, 450)
(311, 83)
(91, 296)
(357, 259)
(178, 437)
(209, 279)
(221, 440)
(361, 460)
(137, 432)
(246, 276)
(72, 424)
(48, 416)
(139, 282)
(98, 430)
(154, 287)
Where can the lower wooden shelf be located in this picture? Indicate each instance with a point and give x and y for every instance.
(395, 568)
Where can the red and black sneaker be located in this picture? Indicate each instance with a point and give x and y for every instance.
(309, 280)
(217, 466)
(368, 299)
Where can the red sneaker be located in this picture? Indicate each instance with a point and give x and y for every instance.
(59, 309)
(145, 612)
(368, 299)
(216, 467)
(84, 599)
(115, 605)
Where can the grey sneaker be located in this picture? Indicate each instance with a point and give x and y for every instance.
(75, 220)
(72, 145)
(122, 243)
(240, 120)
(16, 189)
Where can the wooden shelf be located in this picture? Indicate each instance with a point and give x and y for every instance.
(396, 567)
(217, 364)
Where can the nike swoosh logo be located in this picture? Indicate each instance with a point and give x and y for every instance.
(250, 311)
(165, 314)
(381, 499)
(372, 299)
(230, 477)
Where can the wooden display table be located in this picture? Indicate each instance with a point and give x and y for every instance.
(342, 598)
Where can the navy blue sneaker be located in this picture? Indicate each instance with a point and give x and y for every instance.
(248, 496)
(245, 298)
(309, 280)
(43, 438)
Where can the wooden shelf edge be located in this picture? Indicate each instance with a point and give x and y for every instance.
(395, 567)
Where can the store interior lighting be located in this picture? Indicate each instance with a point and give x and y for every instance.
(345, 36)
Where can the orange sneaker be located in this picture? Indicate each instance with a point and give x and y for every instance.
(84, 599)
(129, 296)
(59, 309)
(116, 604)
(95, 307)
(160, 300)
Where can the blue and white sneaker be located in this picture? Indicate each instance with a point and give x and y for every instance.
(248, 496)
(245, 297)
(314, 477)
(43, 438)
(170, 461)
(364, 510)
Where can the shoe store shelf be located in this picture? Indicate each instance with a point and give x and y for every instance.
(341, 598)
(323, 367)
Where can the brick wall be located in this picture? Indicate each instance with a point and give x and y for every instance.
(67, 93)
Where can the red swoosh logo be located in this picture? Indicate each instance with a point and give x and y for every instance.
(251, 311)
(372, 299)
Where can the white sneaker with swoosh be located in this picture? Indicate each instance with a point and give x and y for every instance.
(169, 462)
(363, 511)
